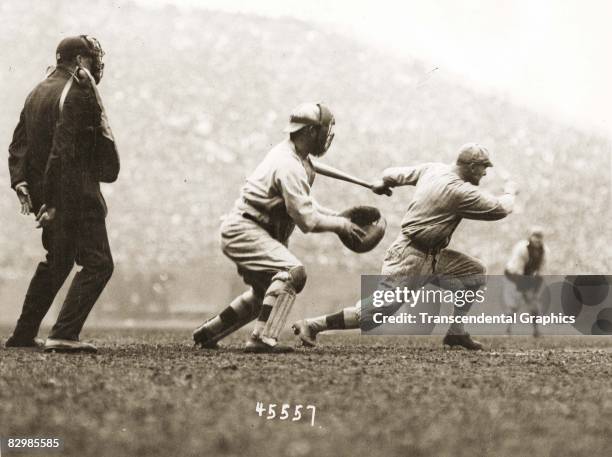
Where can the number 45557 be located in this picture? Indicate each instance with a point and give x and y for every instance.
(285, 411)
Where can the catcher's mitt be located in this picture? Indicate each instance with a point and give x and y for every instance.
(371, 221)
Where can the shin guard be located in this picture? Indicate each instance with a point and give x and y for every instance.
(278, 317)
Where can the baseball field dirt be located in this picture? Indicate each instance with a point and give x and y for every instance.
(150, 393)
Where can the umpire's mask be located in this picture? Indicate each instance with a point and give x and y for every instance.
(96, 52)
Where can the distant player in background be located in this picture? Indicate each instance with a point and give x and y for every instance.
(255, 235)
(445, 194)
(524, 275)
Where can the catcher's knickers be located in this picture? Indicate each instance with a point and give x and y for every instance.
(258, 256)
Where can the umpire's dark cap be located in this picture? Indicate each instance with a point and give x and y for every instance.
(72, 46)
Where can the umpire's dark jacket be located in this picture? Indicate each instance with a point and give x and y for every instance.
(63, 157)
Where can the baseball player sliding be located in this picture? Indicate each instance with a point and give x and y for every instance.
(275, 198)
(444, 195)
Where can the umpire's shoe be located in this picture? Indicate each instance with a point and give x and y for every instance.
(464, 340)
(68, 346)
(16, 343)
(255, 345)
(305, 332)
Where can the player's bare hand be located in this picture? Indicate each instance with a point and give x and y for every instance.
(380, 188)
(45, 216)
(23, 194)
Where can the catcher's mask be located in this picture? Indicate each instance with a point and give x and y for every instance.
(326, 128)
(317, 115)
(371, 222)
(96, 52)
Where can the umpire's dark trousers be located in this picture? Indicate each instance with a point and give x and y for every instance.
(67, 241)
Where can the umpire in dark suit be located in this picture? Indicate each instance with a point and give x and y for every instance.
(62, 149)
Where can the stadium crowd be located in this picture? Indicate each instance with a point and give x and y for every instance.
(194, 108)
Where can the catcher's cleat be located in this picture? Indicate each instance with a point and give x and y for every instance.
(464, 340)
(68, 346)
(16, 343)
(203, 338)
(305, 332)
(255, 345)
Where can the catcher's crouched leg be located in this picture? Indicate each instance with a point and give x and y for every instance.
(277, 304)
(242, 310)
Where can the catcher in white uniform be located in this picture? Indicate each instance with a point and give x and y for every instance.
(275, 198)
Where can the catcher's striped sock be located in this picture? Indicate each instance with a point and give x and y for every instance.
(229, 317)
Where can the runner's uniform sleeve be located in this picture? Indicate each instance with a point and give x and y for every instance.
(473, 203)
(403, 176)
